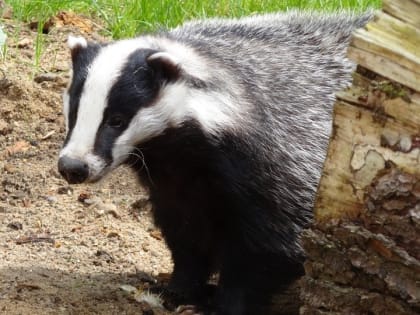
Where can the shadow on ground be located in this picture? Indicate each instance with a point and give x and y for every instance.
(45, 291)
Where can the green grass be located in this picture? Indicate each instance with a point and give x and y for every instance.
(131, 17)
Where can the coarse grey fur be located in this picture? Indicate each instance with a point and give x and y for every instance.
(284, 70)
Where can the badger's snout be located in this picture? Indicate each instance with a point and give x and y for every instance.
(73, 170)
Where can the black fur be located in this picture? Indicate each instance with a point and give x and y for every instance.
(213, 222)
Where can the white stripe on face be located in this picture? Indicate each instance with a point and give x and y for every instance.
(66, 109)
(102, 74)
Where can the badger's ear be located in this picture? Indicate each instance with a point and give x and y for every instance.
(76, 44)
(165, 65)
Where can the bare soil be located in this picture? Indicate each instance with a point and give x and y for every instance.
(63, 250)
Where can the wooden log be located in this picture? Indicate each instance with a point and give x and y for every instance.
(372, 125)
(364, 248)
(389, 47)
(407, 11)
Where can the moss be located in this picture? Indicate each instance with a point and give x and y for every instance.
(393, 90)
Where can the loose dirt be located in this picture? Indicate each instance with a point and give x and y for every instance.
(63, 250)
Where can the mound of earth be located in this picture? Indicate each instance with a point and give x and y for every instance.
(63, 250)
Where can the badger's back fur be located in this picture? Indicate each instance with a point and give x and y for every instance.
(227, 123)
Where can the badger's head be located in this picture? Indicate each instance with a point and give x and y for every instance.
(124, 93)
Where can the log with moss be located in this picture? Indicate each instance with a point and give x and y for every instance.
(364, 248)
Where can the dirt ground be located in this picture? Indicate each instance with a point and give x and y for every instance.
(63, 250)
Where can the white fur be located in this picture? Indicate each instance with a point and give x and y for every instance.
(153, 300)
(164, 56)
(75, 41)
(96, 166)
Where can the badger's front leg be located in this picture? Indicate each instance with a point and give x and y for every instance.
(248, 281)
(189, 278)
(191, 244)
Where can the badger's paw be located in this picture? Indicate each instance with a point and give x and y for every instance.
(193, 310)
(188, 310)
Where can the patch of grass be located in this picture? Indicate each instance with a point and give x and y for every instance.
(39, 44)
(131, 17)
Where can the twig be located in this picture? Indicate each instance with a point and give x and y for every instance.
(34, 239)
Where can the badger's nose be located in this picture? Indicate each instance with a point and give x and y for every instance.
(73, 170)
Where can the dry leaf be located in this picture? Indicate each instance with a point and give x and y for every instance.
(70, 18)
(156, 234)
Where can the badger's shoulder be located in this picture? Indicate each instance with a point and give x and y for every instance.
(284, 45)
(282, 26)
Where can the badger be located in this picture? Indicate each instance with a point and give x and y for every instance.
(226, 123)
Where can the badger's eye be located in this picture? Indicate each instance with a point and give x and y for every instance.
(116, 122)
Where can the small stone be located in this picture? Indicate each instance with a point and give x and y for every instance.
(83, 196)
(65, 190)
(5, 128)
(405, 143)
(34, 143)
(15, 226)
(145, 247)
(9, 168)
(389, 138)
(113, 234)
(91, 201)
(51, 199)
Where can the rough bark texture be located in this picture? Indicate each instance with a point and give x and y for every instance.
(369, 265)
(364, 248)
(287, 302)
